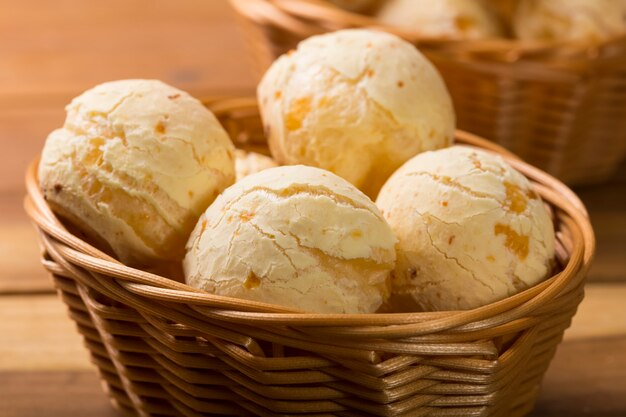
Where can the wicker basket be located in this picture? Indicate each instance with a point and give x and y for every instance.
(561, 107)
(166, 349)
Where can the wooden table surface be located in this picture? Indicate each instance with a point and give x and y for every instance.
(51, 51)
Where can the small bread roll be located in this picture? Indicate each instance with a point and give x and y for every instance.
(296, 236)
(356, 102)
(449, 19)
(134, 166)
(247, 163)
(470, 230)
(569, 20)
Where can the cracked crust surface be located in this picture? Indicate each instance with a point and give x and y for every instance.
(313, 241)
(470, 229)
(358, 103)
(452, 19)
(135, 163)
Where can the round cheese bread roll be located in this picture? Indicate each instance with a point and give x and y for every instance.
(450, 19)
(358, 103)
(296, 236)
(134, 166)
(568, 20)
(470, 230)
(247, 163)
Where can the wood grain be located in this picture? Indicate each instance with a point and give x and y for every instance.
(59, 49)
(38, 335)
(602, 314)
(51, 51)
(41, 393)
(586, 378)
(147, 38)
(40, 349)
(19, 252)
(23, 273)
(607, 207)
(23, 133)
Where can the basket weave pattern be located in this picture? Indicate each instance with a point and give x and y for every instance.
(560, 107)
(165, 349)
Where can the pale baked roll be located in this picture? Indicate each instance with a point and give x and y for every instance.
(448, 19)
(296, 236)
(356, 102)
(569, 20)
(470, 230)
(134, 165)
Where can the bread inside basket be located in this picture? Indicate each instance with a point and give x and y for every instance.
(164, 348)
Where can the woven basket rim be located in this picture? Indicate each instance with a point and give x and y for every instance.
(307, 17)
(571, 213)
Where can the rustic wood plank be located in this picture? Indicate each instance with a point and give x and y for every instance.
(586, 378)
(40, 323)
(602, 314)
(53, 394)
(56, 48)
(23, 134)
(51, 51)
(22, 272)
(195, 45)
(38, 335)
(572, 387)
(19, 254)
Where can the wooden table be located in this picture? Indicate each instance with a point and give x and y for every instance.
(50, 51)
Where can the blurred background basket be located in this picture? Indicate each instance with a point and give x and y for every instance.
(165, 349)
(561, 107)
